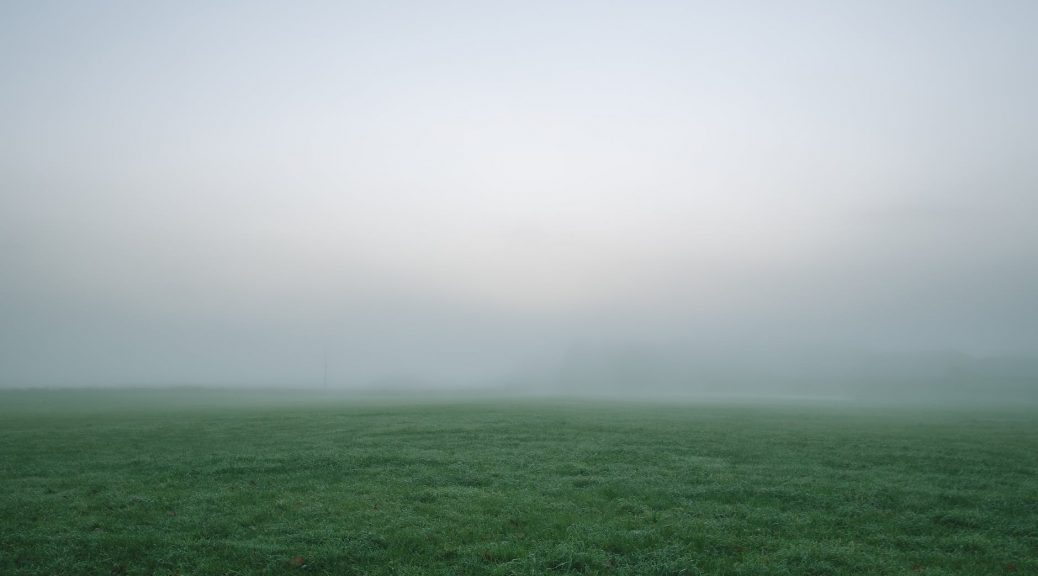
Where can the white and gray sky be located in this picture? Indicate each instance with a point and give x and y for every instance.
(214, 192)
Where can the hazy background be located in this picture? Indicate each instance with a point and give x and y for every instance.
(636, 197)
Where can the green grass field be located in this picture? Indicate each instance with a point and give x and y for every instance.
(206, 482)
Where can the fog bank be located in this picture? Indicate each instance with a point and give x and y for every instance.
(653, 197)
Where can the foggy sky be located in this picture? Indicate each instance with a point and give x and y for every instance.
(471, 193)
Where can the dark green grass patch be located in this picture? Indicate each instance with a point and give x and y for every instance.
(125, 482)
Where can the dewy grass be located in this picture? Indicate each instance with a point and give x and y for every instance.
(205, 483)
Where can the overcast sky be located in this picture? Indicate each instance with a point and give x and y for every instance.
(216, 192)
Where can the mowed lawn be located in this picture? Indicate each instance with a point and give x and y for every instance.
(206, 482)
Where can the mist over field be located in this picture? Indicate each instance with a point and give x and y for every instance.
(640, 199)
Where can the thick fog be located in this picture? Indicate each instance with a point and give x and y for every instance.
(807, 198)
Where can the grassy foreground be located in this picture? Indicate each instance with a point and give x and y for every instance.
(125, 482)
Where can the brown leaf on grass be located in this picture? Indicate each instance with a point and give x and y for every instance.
(297, 561)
